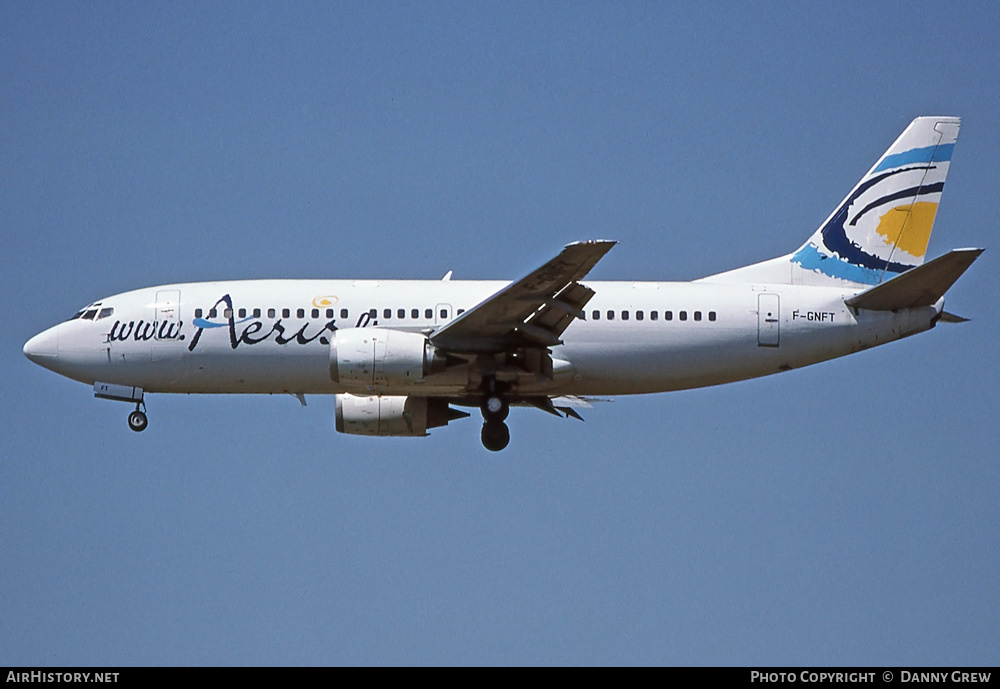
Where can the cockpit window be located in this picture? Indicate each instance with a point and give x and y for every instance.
(104, 313)
(88, 312)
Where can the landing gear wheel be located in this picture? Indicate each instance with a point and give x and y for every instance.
(137, 421)
(495, 435)
(495, 408)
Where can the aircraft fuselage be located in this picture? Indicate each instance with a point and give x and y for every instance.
(273, 336)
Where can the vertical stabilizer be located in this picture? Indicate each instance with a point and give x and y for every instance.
(883, 226)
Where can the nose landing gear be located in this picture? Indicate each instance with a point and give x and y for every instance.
(137, 420)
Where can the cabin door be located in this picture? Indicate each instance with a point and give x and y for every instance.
(768, 320)
(167, 315)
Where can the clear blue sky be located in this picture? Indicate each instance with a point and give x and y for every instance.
(842, 514)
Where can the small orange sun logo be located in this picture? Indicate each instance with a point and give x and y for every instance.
(321, 302)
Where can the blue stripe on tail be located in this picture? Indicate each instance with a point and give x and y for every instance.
(927, 154)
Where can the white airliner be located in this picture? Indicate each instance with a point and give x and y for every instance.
(400, 356)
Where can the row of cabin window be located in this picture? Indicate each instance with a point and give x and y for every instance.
(653, 315)
(271, 313)
(414, 313)
(315, 313)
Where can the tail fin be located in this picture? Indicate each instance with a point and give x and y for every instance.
(883, 226)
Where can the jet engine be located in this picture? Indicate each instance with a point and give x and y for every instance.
(392, 415)
(377, 359)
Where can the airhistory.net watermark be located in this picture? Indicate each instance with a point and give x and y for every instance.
(61, 677)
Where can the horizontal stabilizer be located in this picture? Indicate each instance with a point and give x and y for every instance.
(920, 286)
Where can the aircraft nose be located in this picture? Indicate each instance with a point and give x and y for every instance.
(43, 348)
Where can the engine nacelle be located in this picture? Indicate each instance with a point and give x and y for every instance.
(392, 415)
(377, 359)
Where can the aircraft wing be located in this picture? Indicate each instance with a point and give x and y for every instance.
(533, 311)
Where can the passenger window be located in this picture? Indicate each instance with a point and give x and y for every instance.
(227, 313)
(683, 315)
(400, 313)
(697, 315)
(105, 313)
(624, 315)
(668, 315)
(653, 315)
(461, 311)
(387, 313)
(711, 315)
(256, 313)
(315, 313)
(329, 314)
(300, 313)
(197, 313)
(415, 313)
(596, 315)
(611, 315)
(428, 313)
(242, 313)
(343, 313)
(212, 313)
(286, 313)
(271, 313)
(444, 313)
(638, 315)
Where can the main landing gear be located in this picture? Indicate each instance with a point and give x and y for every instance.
(495, 435)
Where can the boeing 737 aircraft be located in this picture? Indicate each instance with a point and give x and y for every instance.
(403, 357)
